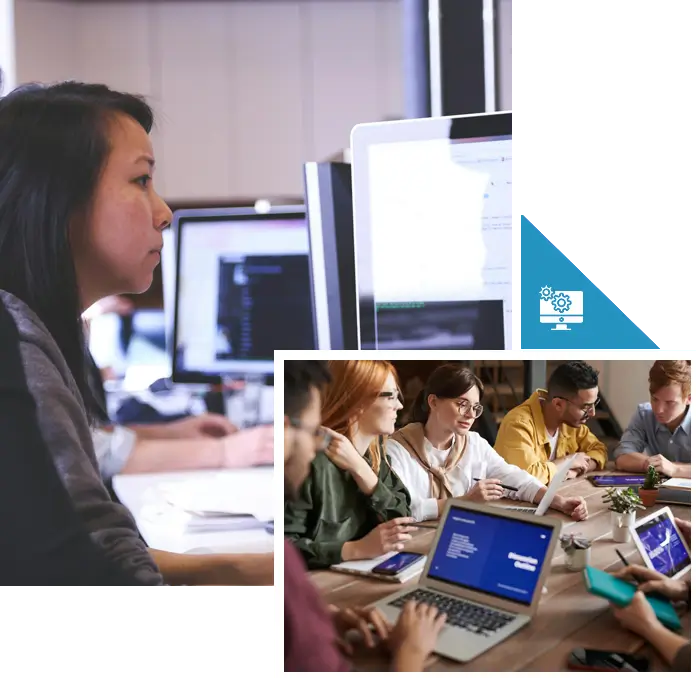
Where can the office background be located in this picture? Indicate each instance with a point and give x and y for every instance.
(245, 91)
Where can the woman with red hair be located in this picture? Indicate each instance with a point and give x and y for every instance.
(352, 505)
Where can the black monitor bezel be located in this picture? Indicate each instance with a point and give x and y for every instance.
(187, 218)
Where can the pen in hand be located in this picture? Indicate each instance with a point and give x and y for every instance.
(654, 594)
(505, 487)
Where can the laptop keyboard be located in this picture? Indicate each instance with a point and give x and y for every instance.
(461, 613)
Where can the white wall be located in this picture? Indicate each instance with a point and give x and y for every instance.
(7, 46)
(245, 92)
(624, 384)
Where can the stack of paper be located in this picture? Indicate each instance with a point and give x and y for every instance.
(681, 483)
(230, 502)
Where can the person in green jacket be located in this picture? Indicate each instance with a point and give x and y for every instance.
(352, 506)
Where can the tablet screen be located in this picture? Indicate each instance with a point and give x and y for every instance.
(613, 481)
(663, 546)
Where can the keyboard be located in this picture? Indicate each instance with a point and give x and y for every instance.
(521, 509)
(462, 613)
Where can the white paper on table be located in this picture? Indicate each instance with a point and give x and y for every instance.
(683, 483)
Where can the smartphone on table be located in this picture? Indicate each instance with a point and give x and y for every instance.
(585, 659)
(397, 563)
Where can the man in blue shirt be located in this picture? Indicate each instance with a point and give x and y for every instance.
(659, 434)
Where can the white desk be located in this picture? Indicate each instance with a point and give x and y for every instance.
(141, 493)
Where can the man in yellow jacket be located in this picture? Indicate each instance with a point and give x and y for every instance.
(551, 424)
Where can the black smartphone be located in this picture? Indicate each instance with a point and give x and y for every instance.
(397, 563)
(584, 659)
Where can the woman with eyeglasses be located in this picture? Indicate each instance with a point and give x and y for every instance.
(437, 456)
(352, 505)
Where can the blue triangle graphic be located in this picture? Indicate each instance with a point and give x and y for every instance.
(573, 312)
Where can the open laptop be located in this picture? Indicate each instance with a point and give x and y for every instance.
(486, 570)
(554, 486)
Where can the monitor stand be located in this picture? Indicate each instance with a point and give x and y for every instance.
(242, 395)
(560, 326)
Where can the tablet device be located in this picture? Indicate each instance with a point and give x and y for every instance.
(621, 592)
(617, 480)
(661, 545)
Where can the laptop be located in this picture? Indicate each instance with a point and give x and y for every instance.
(554, 486)
(486, 570)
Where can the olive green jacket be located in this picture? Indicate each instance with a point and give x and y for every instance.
(331, 510)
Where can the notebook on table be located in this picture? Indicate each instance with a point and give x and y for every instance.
(621, 592)
(364, 568)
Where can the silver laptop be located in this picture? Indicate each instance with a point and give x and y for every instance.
(554, 486)
(486, 570)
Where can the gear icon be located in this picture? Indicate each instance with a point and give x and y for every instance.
(546, 293)
(560, 302)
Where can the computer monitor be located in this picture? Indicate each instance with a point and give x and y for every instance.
(242, 291)
(432, 204)
(329, 199)
(560, 307)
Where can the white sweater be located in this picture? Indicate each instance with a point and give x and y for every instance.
(479, 461)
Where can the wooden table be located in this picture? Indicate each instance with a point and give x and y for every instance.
(567, 617)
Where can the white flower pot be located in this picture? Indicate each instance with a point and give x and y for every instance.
(620, 526)
(577, 560)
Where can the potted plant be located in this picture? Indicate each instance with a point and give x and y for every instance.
(648, 493)
(577, 551)
(623, 503)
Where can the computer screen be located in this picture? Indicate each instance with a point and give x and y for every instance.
(432, 202)
(663, 546)
(243, 290)
(496, 555)
(329, 200)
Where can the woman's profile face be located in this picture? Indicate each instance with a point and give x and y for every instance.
(120, 246)
(380, 417)
(456, 414)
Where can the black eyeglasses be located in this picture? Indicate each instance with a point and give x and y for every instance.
(585, 408)
(392, 396)
(321, 437)
(464, 407)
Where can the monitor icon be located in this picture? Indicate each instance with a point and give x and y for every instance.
(560, 308)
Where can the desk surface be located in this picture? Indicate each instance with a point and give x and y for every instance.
(567, 616)
(138, 492)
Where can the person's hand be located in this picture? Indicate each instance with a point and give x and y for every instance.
(655, 582)
(207, 425)
(486, 489)
(685, 528)
(389, 536)
(572, 473)
(638, 616)
(342, 453)
(582, 463)
(249, 447)
(416, 631)
(575, 507)
(359, 619)
(663, 465)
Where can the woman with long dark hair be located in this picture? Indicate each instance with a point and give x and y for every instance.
(437, 456)
(80, 221)
(352, 506)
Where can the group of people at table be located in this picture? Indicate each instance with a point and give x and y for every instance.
(355, 485)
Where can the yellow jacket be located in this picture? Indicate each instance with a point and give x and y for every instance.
(522, 440)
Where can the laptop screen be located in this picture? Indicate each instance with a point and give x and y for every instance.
(663, 546)
(496, 555)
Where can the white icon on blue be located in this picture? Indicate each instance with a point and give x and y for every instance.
(560, 308)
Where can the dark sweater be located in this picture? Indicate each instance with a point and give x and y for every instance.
(61, 422)
(332, 510)
(42, 539)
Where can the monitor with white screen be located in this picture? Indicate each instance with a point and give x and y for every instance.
(432, 204)
(329, 199)
(242, 291)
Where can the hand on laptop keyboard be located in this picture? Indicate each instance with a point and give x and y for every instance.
(416, 631)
